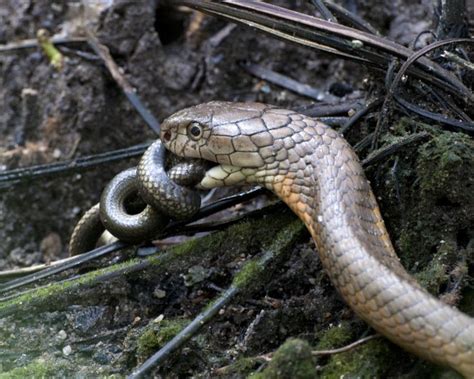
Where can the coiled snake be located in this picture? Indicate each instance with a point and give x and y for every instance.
(314, 170)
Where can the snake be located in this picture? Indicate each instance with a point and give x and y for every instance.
(316, 173)
(139, 202)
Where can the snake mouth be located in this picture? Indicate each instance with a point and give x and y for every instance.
(226, 175)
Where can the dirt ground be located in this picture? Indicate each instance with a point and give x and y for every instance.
(108, 326)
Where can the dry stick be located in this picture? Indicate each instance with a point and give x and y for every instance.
(73, 262)
(32, 43)
(222, 34)
(447, 103)
(185, 334)
(286, 82)
(383, 113)
(457, 59)
(114, 70)
(335, 122)
(26, 174)
(324, 110)
(349, 17)
(15, 273)
(440, 118)
(323, 9)
(378, 155)
(359, 114)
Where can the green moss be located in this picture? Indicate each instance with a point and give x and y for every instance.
(273, 248)
(442, 159)
(370, 360)
(54, 289)
(440, 205)
(433, 275)
(36, 369)
(335, 337)
(292, 360)
(249, 272)
(156, 335)
(240, 368)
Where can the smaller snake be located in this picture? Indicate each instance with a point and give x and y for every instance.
(161, 195)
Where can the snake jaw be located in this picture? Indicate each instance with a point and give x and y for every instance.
(226, 175)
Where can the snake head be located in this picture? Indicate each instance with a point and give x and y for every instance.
(218, 131)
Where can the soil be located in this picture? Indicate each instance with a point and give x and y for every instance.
(110, 321)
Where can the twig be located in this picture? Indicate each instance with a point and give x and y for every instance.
(359, 114)
(325, 12)
(358, 22)
(114, 70)
(456, 58)
(74, 262)
(326, 110)
(286, 82)
(222, 34)
(184, 335)
(334, 121)
(364, 143)
(385, 151)
(32, 43)
(21, 272)
(343, 349)
(442, 119)
(217, 206)
(14, 177)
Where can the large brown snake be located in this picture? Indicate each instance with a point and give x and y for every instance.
(314, 170)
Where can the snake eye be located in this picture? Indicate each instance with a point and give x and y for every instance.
(195, 131)
(167, 136)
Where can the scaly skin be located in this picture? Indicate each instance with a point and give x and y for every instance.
(164, 194)
(314, 170)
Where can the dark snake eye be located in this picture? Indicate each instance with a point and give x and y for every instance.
(167, 136)
(195, 130)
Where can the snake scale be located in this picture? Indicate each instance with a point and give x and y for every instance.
(315, 171)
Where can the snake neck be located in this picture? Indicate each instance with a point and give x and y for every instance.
(324, 184)
(322, 181)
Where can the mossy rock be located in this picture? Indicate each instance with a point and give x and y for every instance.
(156, 334)
(292, 360)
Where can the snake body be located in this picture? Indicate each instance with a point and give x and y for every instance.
(315, 171)
(165, 196)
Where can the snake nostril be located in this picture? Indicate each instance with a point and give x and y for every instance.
(167, 135)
